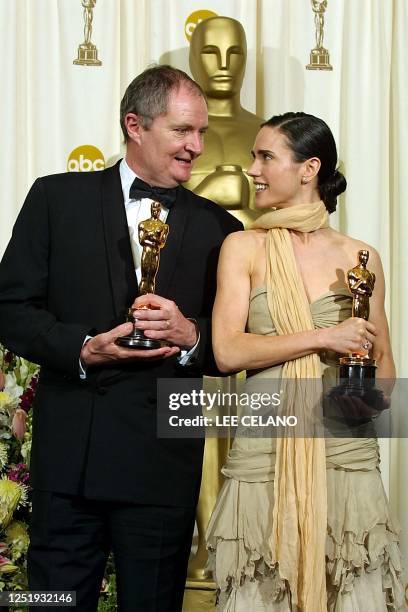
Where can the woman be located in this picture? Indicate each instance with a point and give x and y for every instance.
(282, 312)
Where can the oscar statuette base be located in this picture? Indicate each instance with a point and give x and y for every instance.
(358, 370)
(138, 342)
(319, 59)
(356, 384)
(137, 339)
(87, 55)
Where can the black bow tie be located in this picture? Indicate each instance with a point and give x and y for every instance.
(165, 195)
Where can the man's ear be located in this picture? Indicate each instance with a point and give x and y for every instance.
(133, 127)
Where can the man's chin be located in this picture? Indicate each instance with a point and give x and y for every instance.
(182, 177)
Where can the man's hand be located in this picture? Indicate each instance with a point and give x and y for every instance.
(163, 321)
(102, 349)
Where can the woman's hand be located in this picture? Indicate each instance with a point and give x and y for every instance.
(353, 335)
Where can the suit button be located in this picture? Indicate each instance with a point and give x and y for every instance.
(102, 390)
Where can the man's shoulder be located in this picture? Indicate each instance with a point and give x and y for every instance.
(72, 178)
(74, 187)
(212, 209)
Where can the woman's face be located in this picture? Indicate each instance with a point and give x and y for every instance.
(276, 175)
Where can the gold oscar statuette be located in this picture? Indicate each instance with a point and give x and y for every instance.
(361, 284)
(357, 370)
(87, 51)
(152, 235)
(319, 56)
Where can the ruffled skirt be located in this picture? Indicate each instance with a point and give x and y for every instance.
(362, 555)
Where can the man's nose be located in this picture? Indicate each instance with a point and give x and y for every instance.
(195, 143)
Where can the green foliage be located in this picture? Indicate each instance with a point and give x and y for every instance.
(18, 380)
(107, 600)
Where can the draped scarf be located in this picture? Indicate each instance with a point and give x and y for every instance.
(300, 509)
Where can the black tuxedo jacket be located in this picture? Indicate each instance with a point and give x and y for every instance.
(67, 272)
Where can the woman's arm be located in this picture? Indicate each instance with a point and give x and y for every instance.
(235, 349)
(381, 350)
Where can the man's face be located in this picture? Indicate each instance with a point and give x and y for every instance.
(163, 154)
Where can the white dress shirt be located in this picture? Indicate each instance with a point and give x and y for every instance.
(137, 211)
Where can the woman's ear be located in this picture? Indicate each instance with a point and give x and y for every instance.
(310, 169)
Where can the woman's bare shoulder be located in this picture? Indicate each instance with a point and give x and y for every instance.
(245, 239)
(354, 245)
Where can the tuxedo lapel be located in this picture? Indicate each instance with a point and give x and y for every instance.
(177, 219)
(117, 240)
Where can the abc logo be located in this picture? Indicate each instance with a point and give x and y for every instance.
(85, 158)
(195, 18)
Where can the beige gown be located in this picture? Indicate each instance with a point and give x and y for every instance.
(362, 555)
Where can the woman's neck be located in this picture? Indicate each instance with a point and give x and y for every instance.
(309, 238)
(311, 196)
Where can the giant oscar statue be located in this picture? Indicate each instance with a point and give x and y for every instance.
(217, 60)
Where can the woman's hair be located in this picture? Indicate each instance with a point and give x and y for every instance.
(308, 136)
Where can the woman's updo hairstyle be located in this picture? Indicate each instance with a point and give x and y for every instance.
(308, 136)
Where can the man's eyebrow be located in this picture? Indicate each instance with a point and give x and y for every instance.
(188, 126)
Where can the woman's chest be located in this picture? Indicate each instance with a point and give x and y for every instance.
(321, 268)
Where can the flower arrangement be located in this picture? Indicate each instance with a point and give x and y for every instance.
(18, 381)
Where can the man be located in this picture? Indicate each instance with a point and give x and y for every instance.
(102, 479)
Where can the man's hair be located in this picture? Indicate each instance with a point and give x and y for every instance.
(148, 94)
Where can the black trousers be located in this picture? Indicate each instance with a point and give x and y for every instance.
(71, 537)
